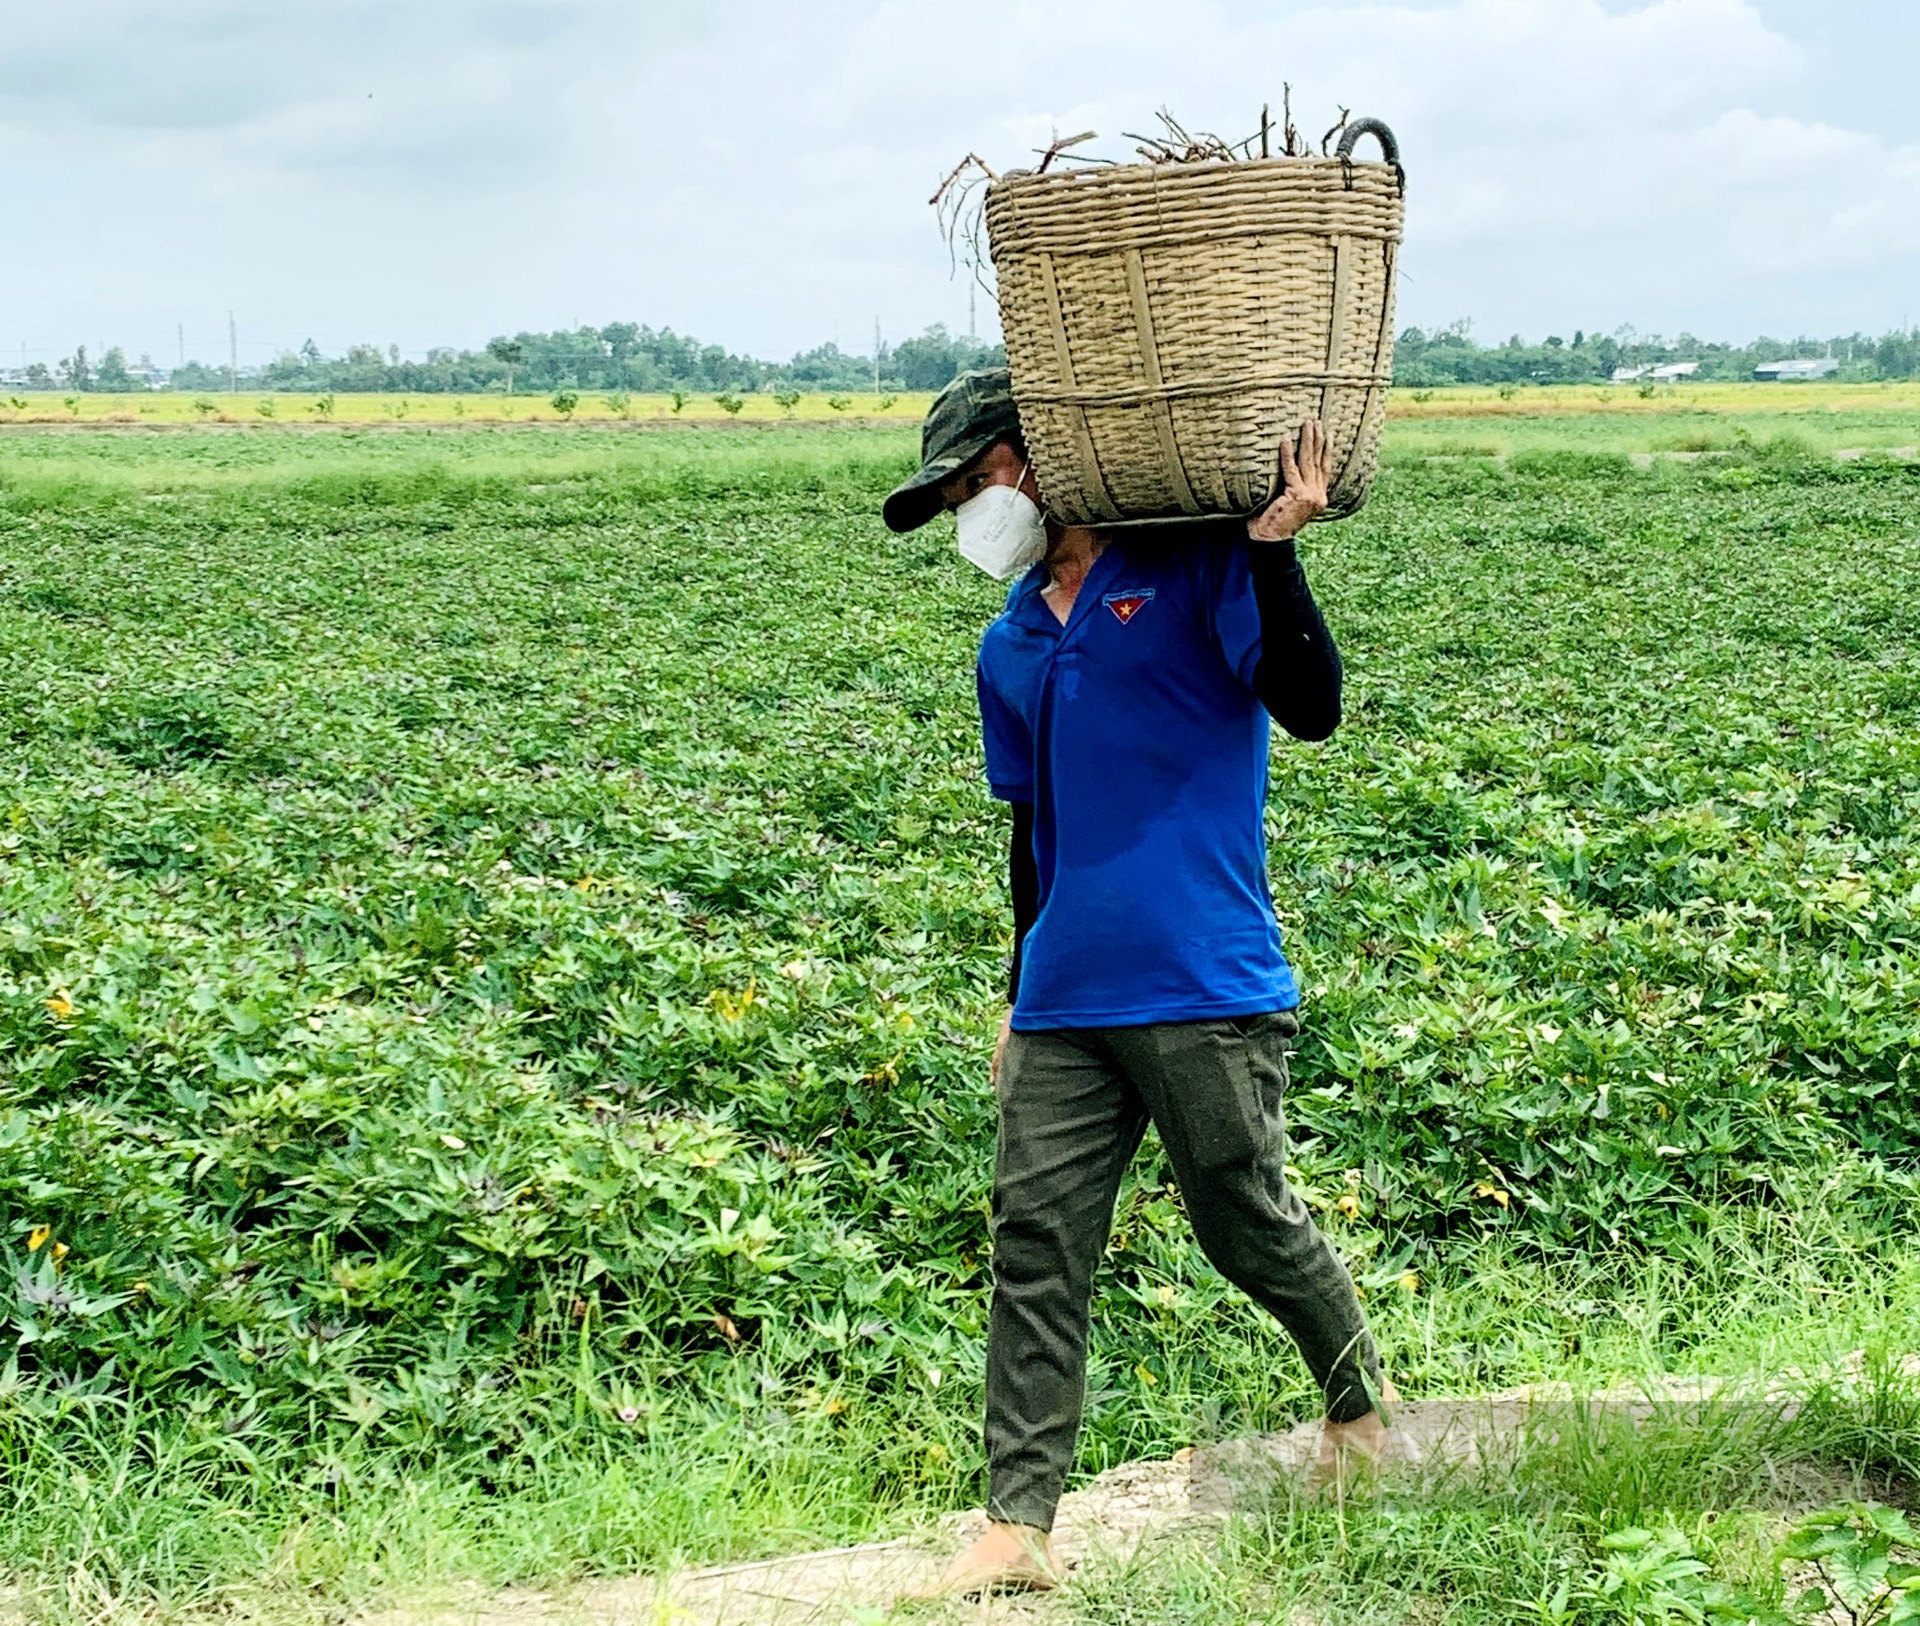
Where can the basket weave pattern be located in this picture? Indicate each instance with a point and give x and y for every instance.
(1166, 324)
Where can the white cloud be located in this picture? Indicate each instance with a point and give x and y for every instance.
(440, 170)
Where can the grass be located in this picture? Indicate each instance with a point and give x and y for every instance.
(129, 1513)
(503, 935)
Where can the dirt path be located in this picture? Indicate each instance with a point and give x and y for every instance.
(1119, 1516)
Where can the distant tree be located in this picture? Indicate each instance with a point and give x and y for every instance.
(933, 360)
(74, 371)
(112, 374)
(788, 399)
(730, 404)
(509, 353)
(622, 339)
(37, 377)
(565, 402)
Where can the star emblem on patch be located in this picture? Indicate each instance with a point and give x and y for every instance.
(1128, 603)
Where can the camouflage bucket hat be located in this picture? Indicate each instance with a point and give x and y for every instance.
(966, 417)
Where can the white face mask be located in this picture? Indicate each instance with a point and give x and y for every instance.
(1001, 530)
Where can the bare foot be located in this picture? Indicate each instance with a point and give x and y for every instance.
(1350, 1450)
(1007, 1558)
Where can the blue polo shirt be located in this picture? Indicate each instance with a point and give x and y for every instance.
(1135, 733)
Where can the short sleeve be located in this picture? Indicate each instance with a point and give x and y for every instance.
(1009, 743)
(1235, 613)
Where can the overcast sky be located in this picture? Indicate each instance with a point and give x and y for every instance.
(435, 171)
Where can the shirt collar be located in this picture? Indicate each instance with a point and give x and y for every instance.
(1025, 605)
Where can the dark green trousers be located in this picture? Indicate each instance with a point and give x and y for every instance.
(1073, 1107)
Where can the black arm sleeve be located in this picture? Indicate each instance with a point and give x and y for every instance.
(1023, 883)
(1298, 675)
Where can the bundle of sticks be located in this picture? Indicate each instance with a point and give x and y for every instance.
(1175, 144)
(958, 197)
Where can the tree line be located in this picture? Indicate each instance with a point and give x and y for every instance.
(619, 356)
(1450, 355)
(627, 356)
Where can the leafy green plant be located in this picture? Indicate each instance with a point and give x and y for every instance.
(1868, 1559)
(1650, 1578)
(454, 992)
(204, 407)
(619, 403)
(264, 406)
(839, 403)
(886, 403)
(787, 400)
(565, 402)
(679, 398)
(324, 406)
(729, 404)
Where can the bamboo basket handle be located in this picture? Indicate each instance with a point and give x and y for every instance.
(1389, 147)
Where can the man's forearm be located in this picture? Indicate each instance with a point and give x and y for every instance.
(1299, 672)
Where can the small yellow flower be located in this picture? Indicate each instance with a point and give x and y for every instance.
(1501, 1197)
(60, 1002)
(1146, 1377)
(37, 1239)
(1164, 1293)
(1410, 1281)
(60, 1251)
(1348, 1204)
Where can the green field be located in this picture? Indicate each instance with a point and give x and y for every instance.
(501, 935)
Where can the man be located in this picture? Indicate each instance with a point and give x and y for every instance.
(1124, 697)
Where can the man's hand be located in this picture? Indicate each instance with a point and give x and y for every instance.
(1303, 492)
(1000, 1047)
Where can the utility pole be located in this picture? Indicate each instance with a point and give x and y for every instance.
(876, 355)
(180, 333)
(233, 356)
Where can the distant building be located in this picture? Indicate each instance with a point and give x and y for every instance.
(1787, 372)
(1673, 372)
(1626, 375)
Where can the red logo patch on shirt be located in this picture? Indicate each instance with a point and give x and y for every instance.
(1128, 604)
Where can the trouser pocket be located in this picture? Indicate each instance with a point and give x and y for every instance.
(1223, 1084)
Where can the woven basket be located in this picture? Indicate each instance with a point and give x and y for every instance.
(1166, 324)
